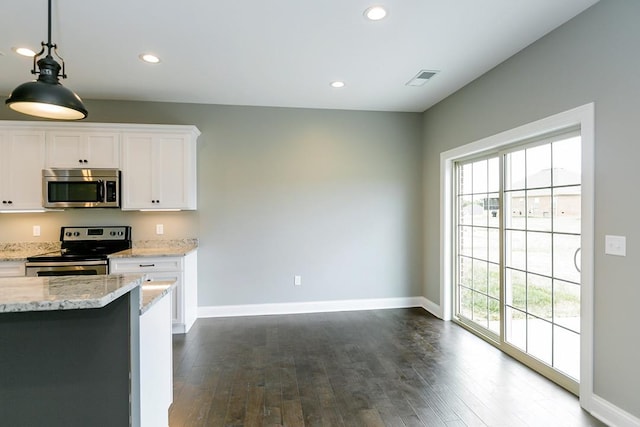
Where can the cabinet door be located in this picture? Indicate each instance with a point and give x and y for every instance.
(159, 171)
(23, 154)
(103, 150)
(137, 172)
(83, 149)
(172, 174)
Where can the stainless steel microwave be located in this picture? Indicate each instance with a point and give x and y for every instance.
(80, 188)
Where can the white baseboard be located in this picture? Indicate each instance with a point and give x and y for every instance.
(611, 415)
(432, 307)
(311, 307)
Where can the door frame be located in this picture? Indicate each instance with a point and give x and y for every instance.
(583, 117)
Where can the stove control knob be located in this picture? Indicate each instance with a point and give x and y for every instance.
(76, 233)
(113, 233)
(68, 233)
(120, 233)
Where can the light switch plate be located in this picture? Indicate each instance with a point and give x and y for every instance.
(615, 245)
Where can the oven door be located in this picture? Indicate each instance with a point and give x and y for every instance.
(72, 268)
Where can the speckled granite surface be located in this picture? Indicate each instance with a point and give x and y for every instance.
(156, 248)
(141, 248)
(18, 294)
(154, 291)
(21, 250)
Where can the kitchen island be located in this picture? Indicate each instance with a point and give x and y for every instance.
(70, 349)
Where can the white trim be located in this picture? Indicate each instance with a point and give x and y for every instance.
(611, 415)
(309, 307)
(125, 127)
(432, 307)
(584, 117)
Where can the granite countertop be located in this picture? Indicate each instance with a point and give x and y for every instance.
(18, 294)
(21, 251)
(141, 248)
(158, 248)
(153, 292)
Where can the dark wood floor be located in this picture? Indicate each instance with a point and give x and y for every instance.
(369, 368)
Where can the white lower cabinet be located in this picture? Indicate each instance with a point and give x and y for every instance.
(12, 269)
(182, 269)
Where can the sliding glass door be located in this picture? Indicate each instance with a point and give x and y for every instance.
(518, 245)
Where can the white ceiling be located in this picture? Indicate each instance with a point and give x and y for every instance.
(275, 53)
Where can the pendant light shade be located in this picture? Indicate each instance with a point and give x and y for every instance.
(46, 97)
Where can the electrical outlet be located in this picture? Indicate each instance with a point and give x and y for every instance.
(159, 228)
(297, 280)
(36, 230)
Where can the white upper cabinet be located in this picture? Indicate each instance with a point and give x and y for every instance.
(159, 170)
(22, 158)
(83, 149)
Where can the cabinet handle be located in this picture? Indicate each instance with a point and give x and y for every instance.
(10, 202)
(80, 161)
(147, 265)
(85, 161)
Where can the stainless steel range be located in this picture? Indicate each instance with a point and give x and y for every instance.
(84, 251)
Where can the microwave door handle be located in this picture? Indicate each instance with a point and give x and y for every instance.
(101, 190)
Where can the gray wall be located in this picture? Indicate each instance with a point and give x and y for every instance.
(595, 58)
(333, 196)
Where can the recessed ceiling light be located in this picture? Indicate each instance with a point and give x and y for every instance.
(24, 51)
(150, 58)
(375, 13)
(337, 84)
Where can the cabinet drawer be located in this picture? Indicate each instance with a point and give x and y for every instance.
(144, 265)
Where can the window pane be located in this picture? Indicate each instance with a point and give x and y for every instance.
(465, 243)
(466, 302)
(480, 276)
(515, 328)
(515, 289)
(480, 309)
(480, 177)
(465, 271)
(515, 249)
(539, 296)
(566, 304)
(480, 217)
(494, 245)
(493, 210)
(494, 280)
(516, 209)
(539, 339)
(539, 253)
(566, 352)
(494, 315)
(539, 166)
(567, 209)
(465, 179)
(567, 161)
(465, 206)
(514, 170)
(480, 242)
(494, 175)
(539, 206)
(565, 252)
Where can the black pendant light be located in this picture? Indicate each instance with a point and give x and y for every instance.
(46, 97)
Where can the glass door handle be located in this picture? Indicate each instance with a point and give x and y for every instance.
(575, 259)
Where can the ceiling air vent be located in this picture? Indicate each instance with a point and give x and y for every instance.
(421, 78)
